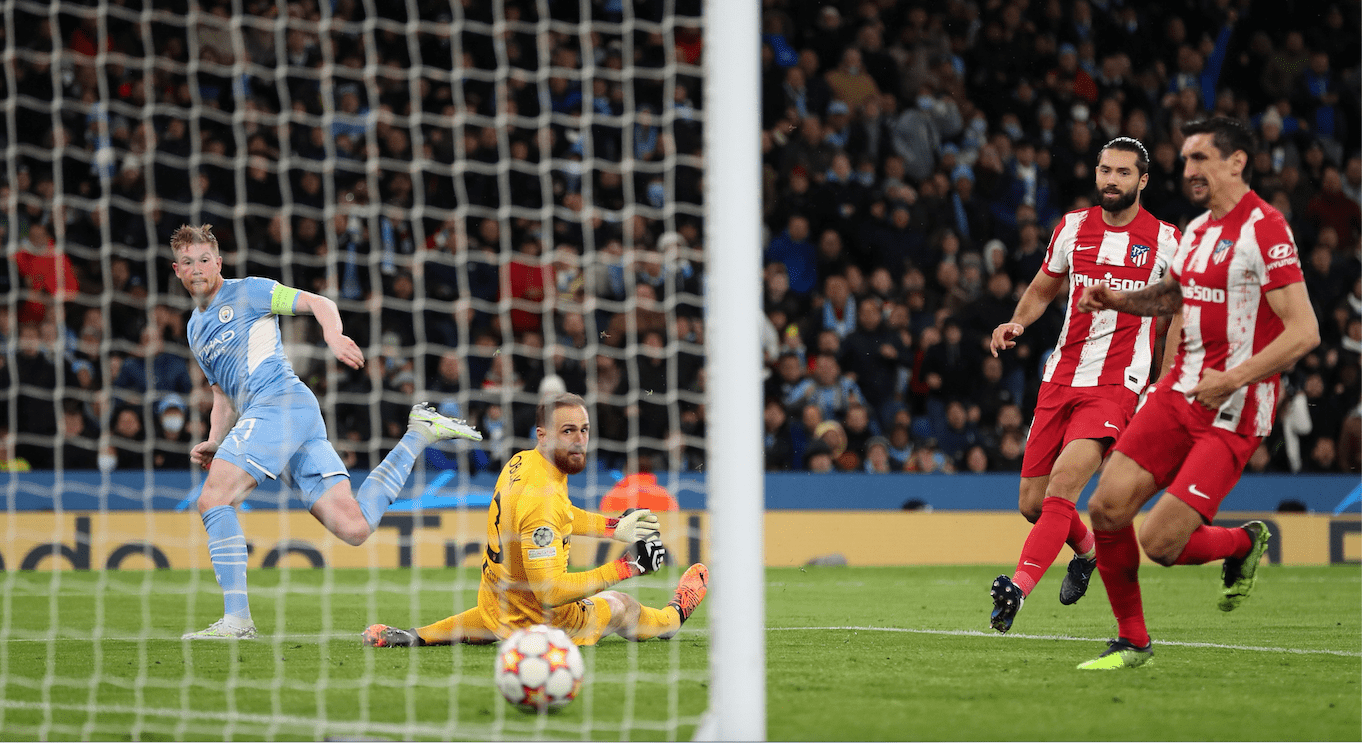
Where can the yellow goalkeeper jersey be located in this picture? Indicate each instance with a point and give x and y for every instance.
(529, 528)
(530, 524)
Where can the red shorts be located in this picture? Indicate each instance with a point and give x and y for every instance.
(1064, 414)
(1174, 441)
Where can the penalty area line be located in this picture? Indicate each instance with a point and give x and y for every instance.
(1070, 638)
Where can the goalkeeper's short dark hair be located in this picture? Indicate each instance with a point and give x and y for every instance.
(550, 403)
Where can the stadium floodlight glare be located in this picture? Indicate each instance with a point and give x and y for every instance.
(396, 157)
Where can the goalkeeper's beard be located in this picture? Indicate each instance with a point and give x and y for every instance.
(567, 463)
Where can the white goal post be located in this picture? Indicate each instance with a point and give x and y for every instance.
(737, 692)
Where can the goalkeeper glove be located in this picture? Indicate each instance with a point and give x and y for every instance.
(633, 525)
(641, 558)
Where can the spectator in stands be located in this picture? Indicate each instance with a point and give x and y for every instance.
(171, 450)
(1332, 208)
(646, 316)
(874, 355)
(80, 437)
(926, 459)
(877, 459)
(819, 458)
(830, 391)
(35, 373)
(850, 82)
(958, 433)
(153, 370)
(128, 435)
(789, 373)
(922, 128)
(839, 306)
(45, 272)
(859, 429)
(793, 250)
(776, 436)
(951, 366)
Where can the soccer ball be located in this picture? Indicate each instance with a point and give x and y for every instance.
(539, 669)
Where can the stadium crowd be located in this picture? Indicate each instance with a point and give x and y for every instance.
(915, 159)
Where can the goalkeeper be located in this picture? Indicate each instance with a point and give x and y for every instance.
(524, 572)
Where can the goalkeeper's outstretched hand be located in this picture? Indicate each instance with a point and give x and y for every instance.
(635, 524)
(643, 557)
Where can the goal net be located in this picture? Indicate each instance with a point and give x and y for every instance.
(504, 198)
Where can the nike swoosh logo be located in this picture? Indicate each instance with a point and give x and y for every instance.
(1032, 564)
(1108, 425)
(1192, 489)
(1084, 247)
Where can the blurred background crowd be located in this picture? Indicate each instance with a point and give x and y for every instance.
(918, 155)
(503, 210)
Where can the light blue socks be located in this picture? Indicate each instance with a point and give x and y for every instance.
(384, 484)
(227, 549)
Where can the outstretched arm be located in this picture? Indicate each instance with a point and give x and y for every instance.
(1042, 291)
(633, 525)
(1163, 298)
(554, 586)
(324, 310)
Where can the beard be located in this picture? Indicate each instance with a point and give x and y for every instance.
(1117, 202)
(562, 459)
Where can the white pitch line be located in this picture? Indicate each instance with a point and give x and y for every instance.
(333, 636)
(979, 633)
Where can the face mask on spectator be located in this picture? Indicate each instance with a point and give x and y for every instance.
(173, 423)
(1014, 131)
(657, 194)
(107, 462)
(979, 125)
(925, 101)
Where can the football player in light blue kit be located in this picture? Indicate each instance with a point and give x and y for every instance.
(266, 423)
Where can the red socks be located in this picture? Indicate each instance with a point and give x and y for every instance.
(1118, 561)
(1058, 523)
(1211, 543)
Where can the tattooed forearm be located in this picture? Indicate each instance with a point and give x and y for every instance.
(1163, 298)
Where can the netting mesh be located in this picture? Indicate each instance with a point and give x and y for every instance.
(503, 198)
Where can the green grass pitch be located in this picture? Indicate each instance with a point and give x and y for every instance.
(852, 654)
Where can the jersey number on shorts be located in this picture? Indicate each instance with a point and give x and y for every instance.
(494, 555)
(242, 430)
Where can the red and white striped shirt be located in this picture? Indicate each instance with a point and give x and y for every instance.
(1106, 347)
(1226, 268)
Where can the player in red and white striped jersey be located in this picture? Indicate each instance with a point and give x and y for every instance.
(1093, 378)
(1245, 317)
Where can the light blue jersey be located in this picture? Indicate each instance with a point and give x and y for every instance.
(279, 430)
(236, 341)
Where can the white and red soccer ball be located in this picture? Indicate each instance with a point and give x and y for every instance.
(539, 669)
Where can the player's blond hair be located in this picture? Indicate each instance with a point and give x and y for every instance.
(188, 235)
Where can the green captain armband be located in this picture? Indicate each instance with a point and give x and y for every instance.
(284, 299)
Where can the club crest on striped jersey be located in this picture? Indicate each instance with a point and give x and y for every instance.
(1139, 255)
(1222, 251)
(225, 314)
